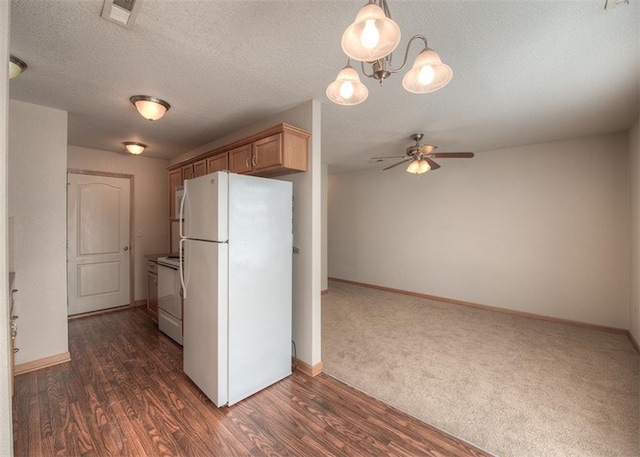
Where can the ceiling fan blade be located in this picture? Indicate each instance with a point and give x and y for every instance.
(388, 157)
(432, 164)
(396, 164)
(428, 148)
(453, 155)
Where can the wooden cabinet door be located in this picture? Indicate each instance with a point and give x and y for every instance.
(267, 152)
(187, 172)
(175, 180)
(218, 162)
(200, 168)
(152, 294)
(240, 159)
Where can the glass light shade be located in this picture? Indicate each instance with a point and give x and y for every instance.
(347, 88)
(428, 74)
(150, 108)
(423, 167)
(371, 36)
(134, 148)
(414, 167)
(16, 66)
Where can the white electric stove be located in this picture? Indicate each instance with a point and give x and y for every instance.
(169, 298)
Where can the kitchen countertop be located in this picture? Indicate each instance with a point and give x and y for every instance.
(154, 257)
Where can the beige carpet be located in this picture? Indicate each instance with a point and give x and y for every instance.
(511, 385)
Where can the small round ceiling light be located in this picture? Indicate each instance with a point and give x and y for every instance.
(134, 148)
(16, 66)
(151, 108)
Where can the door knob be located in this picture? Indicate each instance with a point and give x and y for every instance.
(126, 248)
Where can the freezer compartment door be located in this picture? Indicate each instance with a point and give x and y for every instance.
(205, 207)
(205, 341)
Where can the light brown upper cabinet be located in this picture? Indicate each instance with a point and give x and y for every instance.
(218, 162)
(279, 150)
(240, 159)
(274, 155)
(175, 180)
(267, 152)
(193, 170)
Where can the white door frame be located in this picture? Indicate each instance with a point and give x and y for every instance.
(132, 238)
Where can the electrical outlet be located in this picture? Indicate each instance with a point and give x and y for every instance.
(139, 233)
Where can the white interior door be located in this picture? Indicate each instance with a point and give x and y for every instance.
(98, 242)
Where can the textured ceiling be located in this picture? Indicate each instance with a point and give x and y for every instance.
(524, 72)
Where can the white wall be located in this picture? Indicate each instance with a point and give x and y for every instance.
(542, 229)
(634, 152)
(6, 429)
(307, 189)
(37, 202)
(325, 208)
(150, 234)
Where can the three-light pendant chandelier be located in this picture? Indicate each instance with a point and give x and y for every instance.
(372, 38)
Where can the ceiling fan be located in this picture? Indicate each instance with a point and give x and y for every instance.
(421, 155)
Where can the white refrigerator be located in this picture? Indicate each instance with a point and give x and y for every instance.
(236, 271)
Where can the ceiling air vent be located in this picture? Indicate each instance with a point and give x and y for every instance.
(122, 12)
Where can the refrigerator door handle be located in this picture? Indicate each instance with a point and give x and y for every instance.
(184, 197)
(184, 287)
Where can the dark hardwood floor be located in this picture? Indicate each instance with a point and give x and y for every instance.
(124, 394)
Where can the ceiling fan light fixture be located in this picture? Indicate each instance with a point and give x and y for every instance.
(423, 166)
(420, 157)
(414, 167)
(372, 36)
(428, 74)
(134, 147)
(16, 66)
(151, 108)
(347, 88)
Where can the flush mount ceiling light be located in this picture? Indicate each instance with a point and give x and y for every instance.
(16, 66)
(372, 38)
(134, 148)
(151, 108)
